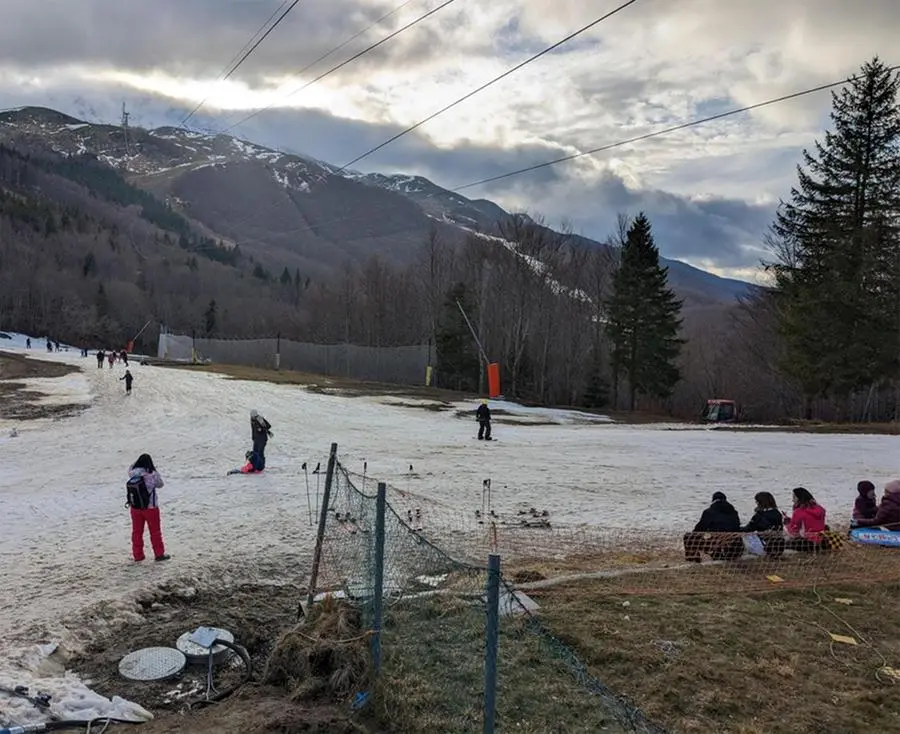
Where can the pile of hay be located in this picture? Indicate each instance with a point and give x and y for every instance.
(325, 655)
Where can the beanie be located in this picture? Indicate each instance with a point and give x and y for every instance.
(864, 487)
(719, 497)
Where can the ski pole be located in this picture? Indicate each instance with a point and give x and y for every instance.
(318, 474)
(308, 500)
(365, 469)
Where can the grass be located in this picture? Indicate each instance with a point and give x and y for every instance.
(433, 676)
(17, 401)
(742, 664)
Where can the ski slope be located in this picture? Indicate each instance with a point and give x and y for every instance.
(64, 542)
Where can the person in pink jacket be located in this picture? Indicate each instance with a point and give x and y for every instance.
(807, 523)
(145, 508)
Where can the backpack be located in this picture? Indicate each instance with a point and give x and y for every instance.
(137, 496)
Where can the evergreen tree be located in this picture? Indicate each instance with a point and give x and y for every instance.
(644, 318)
(286, 277)
(837, 244)
(211, 318)
(456, 350)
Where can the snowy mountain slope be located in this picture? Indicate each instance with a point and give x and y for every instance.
(289, 208)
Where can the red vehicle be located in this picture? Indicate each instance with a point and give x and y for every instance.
(720, 411)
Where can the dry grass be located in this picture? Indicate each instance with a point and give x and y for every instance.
(17, 402)
(747, 664)
(433, 676)
(325, 656)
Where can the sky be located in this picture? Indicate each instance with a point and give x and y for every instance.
(710, 191)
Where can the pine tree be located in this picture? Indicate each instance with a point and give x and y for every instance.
(837, 244)
(456, 351)
(286, 277)
(644, 318)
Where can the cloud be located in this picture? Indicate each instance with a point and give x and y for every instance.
(709, 189)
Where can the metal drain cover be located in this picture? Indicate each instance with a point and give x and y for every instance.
(152, 663)
(197, 653)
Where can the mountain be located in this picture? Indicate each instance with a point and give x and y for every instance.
(288, 211)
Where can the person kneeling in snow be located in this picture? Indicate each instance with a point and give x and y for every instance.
(255, 464)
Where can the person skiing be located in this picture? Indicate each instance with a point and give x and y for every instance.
(111, 358)
(483, 416)
(261, 431)
(129, 378)
(100, 357)
(143, 481)
(28, 343)
(124, 357)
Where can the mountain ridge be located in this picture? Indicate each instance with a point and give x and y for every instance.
(289, 209)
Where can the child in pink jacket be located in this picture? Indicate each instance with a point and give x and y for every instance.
(807, 523)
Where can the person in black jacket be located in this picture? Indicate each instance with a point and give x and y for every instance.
(483, 416)
(261, 431)
(716, 533)
(767, 522)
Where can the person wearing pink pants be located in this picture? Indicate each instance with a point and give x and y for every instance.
(143, 481)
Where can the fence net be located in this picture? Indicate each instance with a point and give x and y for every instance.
(433, 639)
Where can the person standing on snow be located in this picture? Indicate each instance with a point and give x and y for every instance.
(124, 357)
(143, 481)
(100, 357)
(129, 378)
(261, 431)
(483, 416)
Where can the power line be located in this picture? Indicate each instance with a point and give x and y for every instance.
(334, 50)
(249, 51)
(664, 131)
(233, 59)
(491, 82)
(594, 151)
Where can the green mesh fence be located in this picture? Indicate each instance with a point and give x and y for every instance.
(433, 634)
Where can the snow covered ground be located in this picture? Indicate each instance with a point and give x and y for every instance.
(64, 540)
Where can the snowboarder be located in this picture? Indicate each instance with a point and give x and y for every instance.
(143, 481)
(261, 431)
(483, 416)
(100, 357)
(129, 378)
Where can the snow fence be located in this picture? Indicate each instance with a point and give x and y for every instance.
(400, 365)
(429, 622)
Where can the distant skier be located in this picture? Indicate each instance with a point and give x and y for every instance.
(261, 431)
(483, 416)
(49, 345)
(100, 357)
(124, 357)
(129, 378)
(28, 343)
(111, 358)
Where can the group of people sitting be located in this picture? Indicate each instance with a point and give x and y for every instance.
(771, 531)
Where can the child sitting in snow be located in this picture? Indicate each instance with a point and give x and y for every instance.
(865, 506)
(255, 464)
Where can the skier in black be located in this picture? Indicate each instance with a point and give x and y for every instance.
(124, 356)
(129, 378)
(261, 430)
(483, 416)
(100, 357)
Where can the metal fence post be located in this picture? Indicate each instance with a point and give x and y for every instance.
(492, 634)
(378, 591)
(320, 533)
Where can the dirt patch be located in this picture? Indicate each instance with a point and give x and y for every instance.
(742, 664)
(19, 402)
(331, 385)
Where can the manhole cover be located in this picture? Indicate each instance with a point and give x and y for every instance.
(152, 663)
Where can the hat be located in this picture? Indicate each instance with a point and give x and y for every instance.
(892, 487)
(253, 414)
(864, 487)
(719, 497)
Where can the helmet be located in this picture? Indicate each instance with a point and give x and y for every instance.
(253, 414)
(484, 402)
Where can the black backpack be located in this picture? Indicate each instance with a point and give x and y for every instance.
(137, 496)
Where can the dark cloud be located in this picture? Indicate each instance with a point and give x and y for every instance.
(199, 37)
